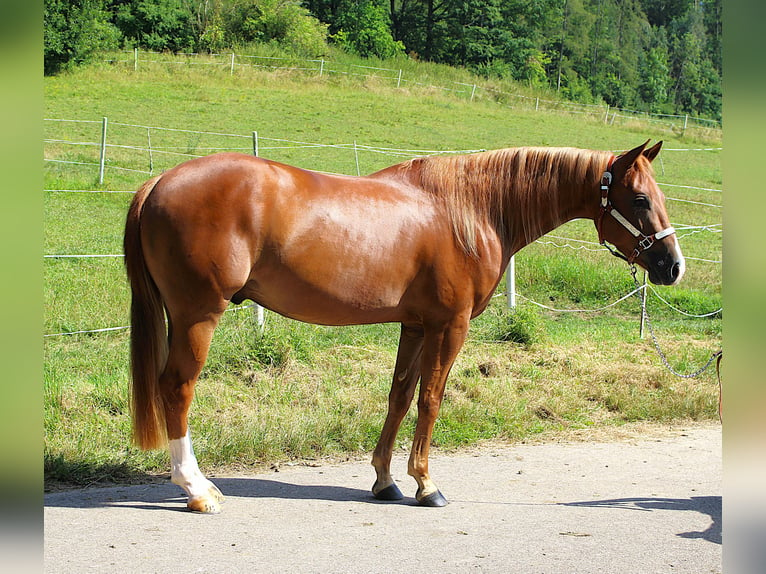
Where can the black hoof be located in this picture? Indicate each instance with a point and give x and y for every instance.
(391, 492)
(433, 500)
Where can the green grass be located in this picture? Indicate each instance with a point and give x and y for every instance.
(302, 390)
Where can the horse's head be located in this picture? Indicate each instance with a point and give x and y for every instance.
(633, 216)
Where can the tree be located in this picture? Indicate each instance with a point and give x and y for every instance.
(654, 78)
(160, 25)
(663, 12)
(712, 17)
(285, 22)
(364, 27)
(74, 30)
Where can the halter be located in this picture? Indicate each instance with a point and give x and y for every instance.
(644, 241)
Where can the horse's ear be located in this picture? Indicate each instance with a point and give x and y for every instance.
(627, 159)
(652, 152)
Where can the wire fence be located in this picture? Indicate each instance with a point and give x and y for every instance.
(156, 151)
(236, 64)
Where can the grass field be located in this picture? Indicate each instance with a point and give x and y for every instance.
(306, 391)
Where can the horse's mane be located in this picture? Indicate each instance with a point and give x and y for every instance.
(516, 190)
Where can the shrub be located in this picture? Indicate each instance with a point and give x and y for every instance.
(285, 22)
(501, 324)
(158, 25)
(75, 30)
(365, 29)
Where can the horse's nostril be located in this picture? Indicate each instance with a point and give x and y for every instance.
(675, 270)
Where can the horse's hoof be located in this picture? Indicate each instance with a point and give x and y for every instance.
(391, 492)
(208, 504)
(215, 493)
(433, 500)
(204, 506)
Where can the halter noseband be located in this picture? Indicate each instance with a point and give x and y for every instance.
(644, 241)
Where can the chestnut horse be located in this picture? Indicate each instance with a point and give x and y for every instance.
(423, 243)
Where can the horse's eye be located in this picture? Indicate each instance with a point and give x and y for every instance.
(641, 202)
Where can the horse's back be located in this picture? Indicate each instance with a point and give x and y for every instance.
(316, 247)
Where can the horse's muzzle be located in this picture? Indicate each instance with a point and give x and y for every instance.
(665, 267)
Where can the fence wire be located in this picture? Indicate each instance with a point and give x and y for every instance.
(555, 241)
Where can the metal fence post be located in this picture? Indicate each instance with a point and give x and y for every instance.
(356, 158)
(643, 310)
(149, 143)
(510, 283)
(103, 153)
(260, 314)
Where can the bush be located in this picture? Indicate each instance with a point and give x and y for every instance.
(73, 31)
(365, 29)
(501, 324)
(285, 22)
(158, 25)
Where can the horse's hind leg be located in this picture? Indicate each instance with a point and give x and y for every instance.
(406, 375)
(189, 345)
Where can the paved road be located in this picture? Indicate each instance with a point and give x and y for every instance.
(649, 505)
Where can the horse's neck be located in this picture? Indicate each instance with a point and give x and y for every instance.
(522, 193)
(525, 230)
(544, 209)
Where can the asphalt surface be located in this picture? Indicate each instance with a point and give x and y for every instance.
(637, 505)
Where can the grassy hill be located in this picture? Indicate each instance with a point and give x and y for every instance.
(301, 390)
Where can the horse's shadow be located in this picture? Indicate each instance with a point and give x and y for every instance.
(710, 505)
(170, 497)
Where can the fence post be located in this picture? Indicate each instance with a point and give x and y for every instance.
(103, 153)
(231, 73)
(537, 103)
(135, 59)
(321, 67)
(260, 314)
(356, 157)
(643, 310)
(510, 282)
(473, 91)
(149, 143)
(399, 81)
(606, 116)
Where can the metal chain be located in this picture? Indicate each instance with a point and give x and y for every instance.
(664, 359)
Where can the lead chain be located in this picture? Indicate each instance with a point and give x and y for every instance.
(664, 359)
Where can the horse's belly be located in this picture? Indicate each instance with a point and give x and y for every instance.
(331, 292)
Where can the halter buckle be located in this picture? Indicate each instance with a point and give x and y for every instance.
(606, 181)
(646, 243)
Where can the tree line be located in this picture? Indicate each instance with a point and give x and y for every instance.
(662, 56)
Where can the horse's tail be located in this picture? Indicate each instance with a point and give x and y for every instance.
(148, 335)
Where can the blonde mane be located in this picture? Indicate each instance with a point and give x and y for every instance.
(515, 190)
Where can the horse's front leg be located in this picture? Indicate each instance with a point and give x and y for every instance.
(187, 353)
(441, 347)
(406, 375)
